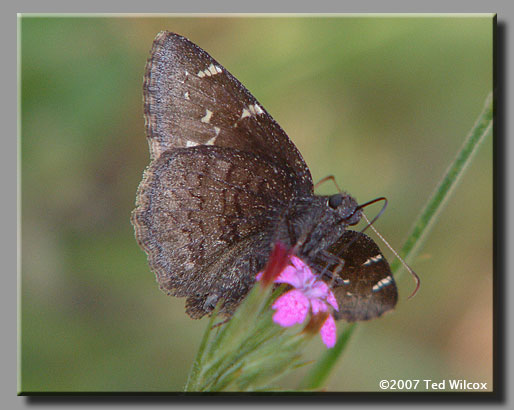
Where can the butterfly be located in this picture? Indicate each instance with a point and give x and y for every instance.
(225, 183)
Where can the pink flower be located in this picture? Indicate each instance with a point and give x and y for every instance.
(308, 294)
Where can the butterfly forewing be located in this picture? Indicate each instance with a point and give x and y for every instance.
(364, 287)
(191, 99)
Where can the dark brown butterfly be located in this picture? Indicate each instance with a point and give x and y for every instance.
(225, 183)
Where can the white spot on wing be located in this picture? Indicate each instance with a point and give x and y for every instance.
(252, 109)
(209, 71)
(213, 70)
(245, 113)
(217, 131)
(373, 259)
(191, 144)
(207, 117)
(381, 283)
(211, 141)
(346, 281)
(186, 95)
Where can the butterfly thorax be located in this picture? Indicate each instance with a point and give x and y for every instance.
(316, 222)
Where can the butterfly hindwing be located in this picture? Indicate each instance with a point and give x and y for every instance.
(364, 287)
(191, 99)
(205, 216)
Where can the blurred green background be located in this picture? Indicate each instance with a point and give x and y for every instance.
(381, 103)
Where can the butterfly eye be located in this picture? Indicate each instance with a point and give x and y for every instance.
(335, 200)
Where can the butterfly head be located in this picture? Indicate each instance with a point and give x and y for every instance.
(346, 206)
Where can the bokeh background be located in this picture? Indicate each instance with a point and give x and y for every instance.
(382, 103)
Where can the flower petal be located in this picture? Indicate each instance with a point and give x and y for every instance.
(328, 332)
(290, 276)
(291, 308)
(332, 300)
(317, 306)
(319, 290)
(304, 271)
(297, 262)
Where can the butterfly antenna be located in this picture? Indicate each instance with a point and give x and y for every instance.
(382, 198)
(411, 271)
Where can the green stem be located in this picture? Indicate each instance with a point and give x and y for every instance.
(420, 230)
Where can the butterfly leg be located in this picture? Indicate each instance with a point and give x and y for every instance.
(328, 178)
(334, 274)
